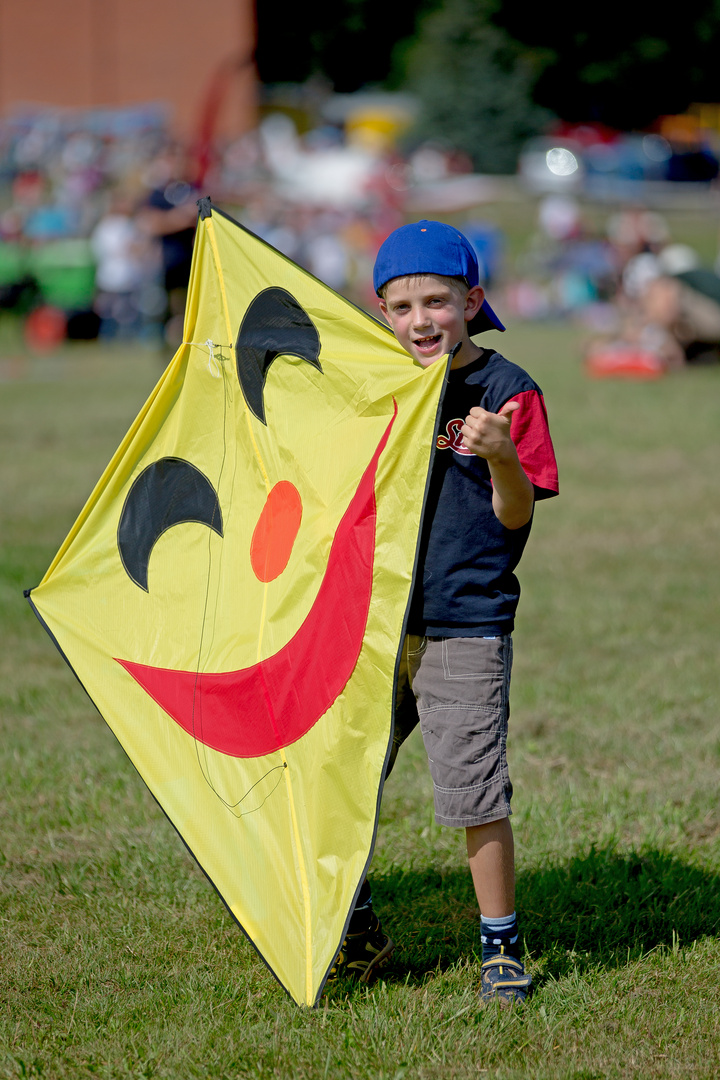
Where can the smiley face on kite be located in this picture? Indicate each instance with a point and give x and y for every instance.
(258, 709)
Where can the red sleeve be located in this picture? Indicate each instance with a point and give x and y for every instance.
(531, 435)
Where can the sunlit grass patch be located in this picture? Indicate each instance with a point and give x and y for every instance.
(118, 959)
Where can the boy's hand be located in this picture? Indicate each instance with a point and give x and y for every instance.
(488, 434)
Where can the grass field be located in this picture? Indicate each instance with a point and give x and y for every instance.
(118, 959)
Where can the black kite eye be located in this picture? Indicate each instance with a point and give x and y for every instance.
(166, 493)
(275, 324)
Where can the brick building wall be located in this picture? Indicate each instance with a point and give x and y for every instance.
(95, 53)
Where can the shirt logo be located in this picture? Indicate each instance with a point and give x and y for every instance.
(453, 439)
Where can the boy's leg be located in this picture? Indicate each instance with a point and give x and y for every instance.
(366, 946)
(461, 686)
(462, 690)
(405, 718)
(492, 864)
(491, 854)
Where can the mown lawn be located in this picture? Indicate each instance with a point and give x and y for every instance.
(118, 959)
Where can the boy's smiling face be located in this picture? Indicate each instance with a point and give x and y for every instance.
(429, 316)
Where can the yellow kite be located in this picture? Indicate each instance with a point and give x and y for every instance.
(233, 594)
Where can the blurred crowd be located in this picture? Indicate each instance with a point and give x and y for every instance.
(647, 302)
(97, 218)
(97, 224)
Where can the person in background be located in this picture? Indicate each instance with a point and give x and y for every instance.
(120, 251)
(170, 216)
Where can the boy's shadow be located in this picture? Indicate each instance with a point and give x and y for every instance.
(599, 909)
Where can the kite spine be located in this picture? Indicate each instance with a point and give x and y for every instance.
(210, 233)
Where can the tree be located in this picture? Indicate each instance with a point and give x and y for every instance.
(620, 63)
(350, 44)
(485, 69)
(475, 84)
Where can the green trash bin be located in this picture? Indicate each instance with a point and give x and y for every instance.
(13, 264)
(65, 272)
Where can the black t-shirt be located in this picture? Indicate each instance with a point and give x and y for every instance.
(465, 584)
(177, 247)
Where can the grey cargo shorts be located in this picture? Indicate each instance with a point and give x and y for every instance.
(458, 689)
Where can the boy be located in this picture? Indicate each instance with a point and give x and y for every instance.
(493, 459)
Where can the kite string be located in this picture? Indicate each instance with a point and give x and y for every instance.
(210, 233)
(202, 756)
(212, 239)
(212, 365)
(205, 765)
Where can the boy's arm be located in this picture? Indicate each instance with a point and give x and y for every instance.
(488, 435)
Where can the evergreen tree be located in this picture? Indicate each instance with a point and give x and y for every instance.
(475, 85)
(619, 63)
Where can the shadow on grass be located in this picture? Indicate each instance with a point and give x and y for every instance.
(597, 910)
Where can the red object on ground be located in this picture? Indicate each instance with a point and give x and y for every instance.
(45, 328)
(625, 363)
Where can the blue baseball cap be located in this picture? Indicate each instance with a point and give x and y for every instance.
(431, 247)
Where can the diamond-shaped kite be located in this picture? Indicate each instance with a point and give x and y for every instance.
(233, 595)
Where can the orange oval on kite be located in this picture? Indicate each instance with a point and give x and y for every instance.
(276, 530)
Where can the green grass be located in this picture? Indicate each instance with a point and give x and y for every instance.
(118, 959)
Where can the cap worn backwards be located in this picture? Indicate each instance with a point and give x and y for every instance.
(431, 247)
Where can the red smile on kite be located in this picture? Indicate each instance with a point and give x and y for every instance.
(262, 708)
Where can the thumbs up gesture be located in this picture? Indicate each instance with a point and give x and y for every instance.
(487, 434)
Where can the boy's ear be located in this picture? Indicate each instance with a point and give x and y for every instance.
(383, 308)
(473, 302)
